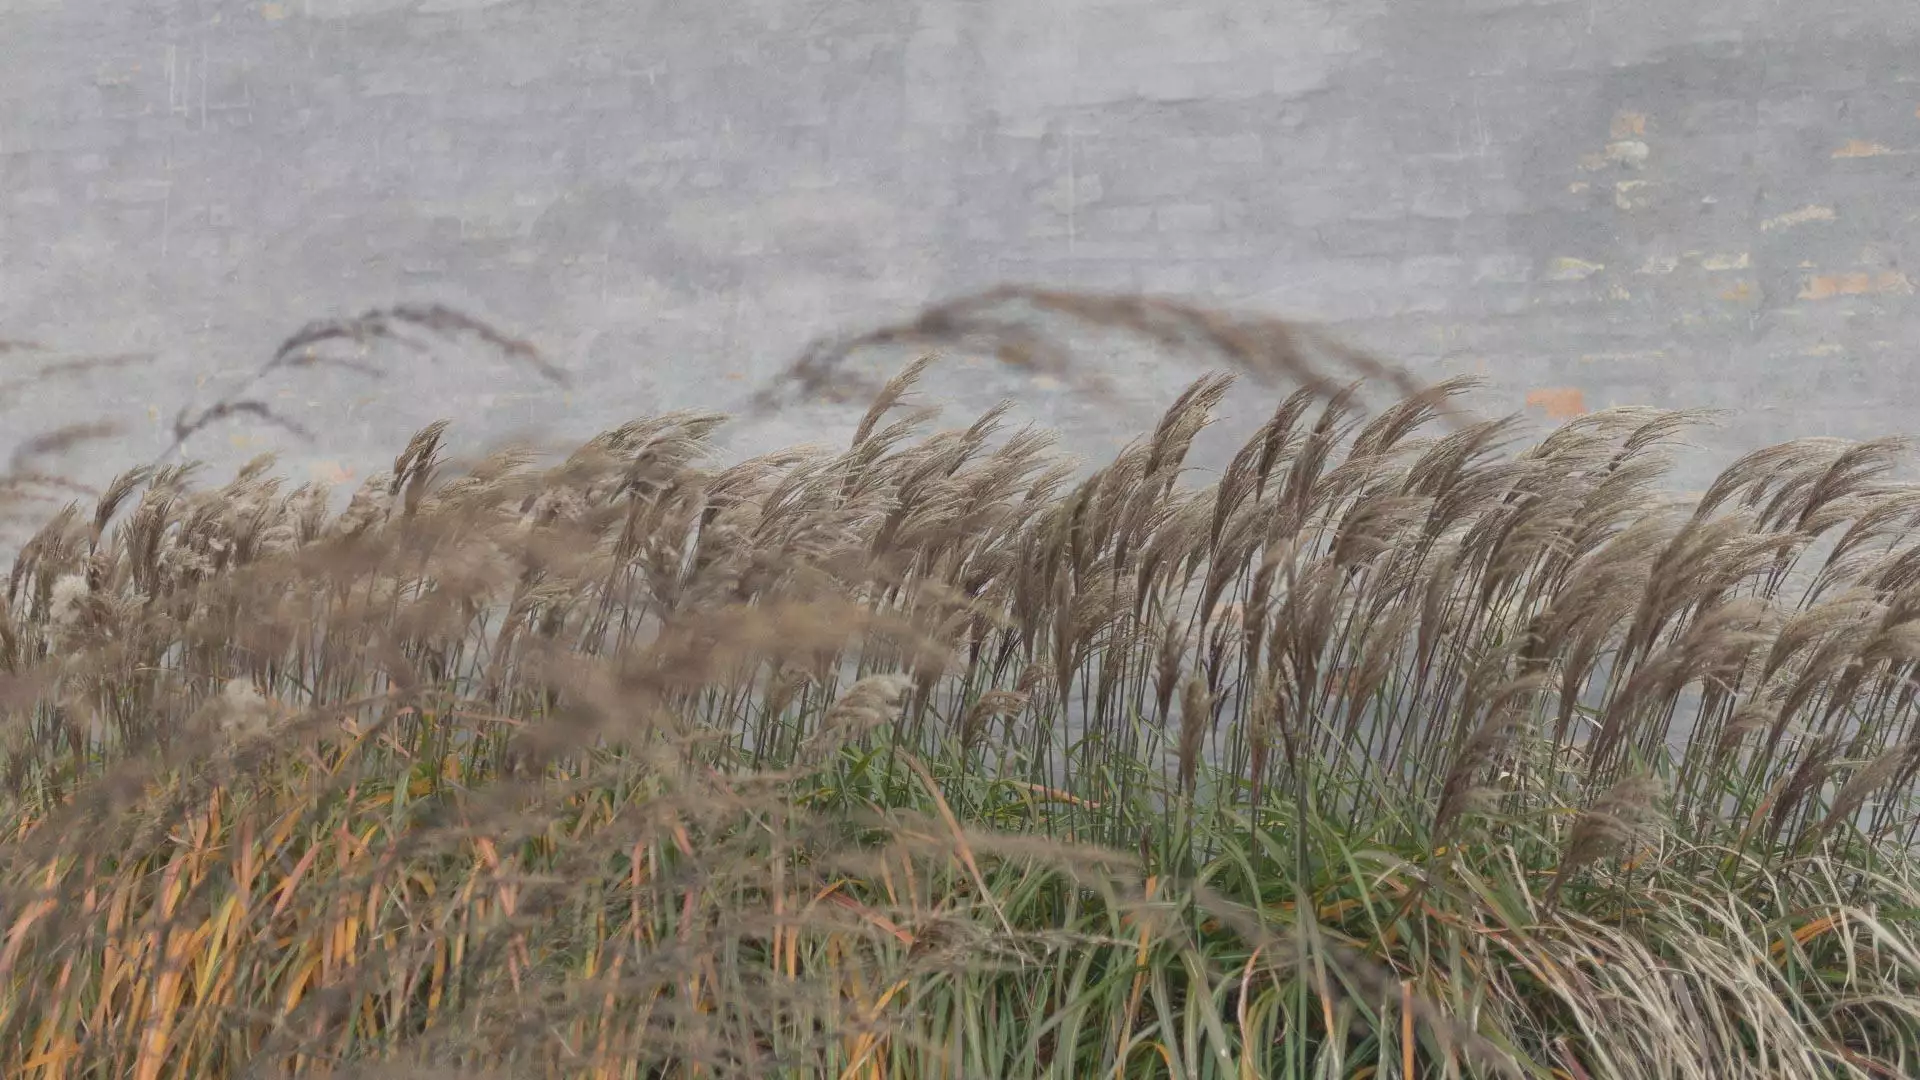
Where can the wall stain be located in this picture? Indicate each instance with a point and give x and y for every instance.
(1885, 283)
(1798, 217)
(1859, 148)
(331, 472)
(1628, 125)
(1560, 402)
(1571, 269)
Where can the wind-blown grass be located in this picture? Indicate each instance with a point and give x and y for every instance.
(1396, 751)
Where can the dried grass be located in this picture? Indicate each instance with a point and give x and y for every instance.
(1489, 760)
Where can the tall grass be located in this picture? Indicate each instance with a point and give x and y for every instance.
(1401, 749)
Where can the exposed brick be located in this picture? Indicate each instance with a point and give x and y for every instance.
(1558, 402)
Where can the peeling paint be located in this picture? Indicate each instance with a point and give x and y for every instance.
(331, 472)
(1726, 262)
(1858, 148)
(1560, 402)
(1628, 152)
(1571, 269)
(1885, 283)
(1797, 217)
(1456, 167)
(1626, 125)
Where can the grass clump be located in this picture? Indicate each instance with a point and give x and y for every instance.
(1395, 751)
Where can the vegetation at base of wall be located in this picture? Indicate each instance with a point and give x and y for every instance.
(1410, 746)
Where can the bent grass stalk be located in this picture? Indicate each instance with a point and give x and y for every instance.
(1397, 752)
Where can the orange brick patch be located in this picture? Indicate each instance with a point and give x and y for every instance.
(1827, 286)
(1560, 402)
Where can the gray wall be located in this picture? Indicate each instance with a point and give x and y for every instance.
(1594, 202)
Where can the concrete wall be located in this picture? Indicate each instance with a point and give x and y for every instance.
(1594, 202)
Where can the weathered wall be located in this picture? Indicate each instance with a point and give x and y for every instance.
(1592, 201)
